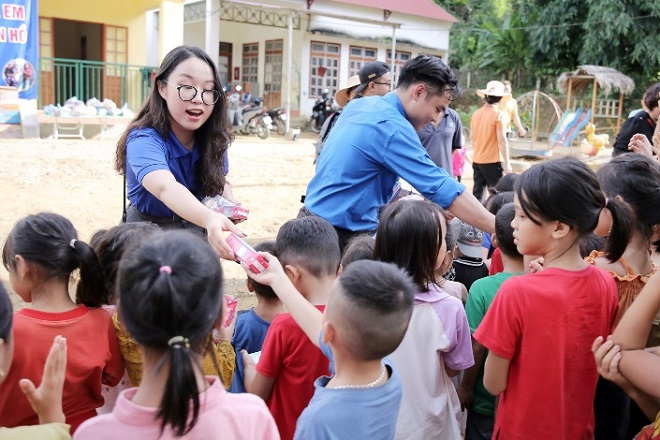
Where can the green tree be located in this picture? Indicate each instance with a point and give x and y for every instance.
(505, 48)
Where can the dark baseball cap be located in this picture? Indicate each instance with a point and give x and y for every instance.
(370, 72)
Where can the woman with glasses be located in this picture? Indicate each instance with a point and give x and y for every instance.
(175, 151)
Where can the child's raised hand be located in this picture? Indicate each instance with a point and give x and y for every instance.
(607, 356)
(639, 143)
(536, 265)
(268, 276)
(46, 400)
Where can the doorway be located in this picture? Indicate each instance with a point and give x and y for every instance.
(224, 62)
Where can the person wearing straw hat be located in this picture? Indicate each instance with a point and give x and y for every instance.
(342, 97)
(490, 148)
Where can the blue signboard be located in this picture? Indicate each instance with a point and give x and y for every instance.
(19, 46)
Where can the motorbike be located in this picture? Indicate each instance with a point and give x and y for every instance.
(321, 110)
(253, 119)
(278, 115)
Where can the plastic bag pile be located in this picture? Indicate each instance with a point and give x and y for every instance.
(74, 107)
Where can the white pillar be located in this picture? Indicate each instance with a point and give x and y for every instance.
(170, 26)
(212, 31)
(289, 69)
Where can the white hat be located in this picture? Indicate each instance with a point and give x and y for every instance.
(493, 88)
(342, 96)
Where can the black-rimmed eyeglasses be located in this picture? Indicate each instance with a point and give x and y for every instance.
(188, 93)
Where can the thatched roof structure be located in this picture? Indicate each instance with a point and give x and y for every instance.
(607, 78)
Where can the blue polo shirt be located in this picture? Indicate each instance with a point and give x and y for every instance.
(147, 151)
(371, 145)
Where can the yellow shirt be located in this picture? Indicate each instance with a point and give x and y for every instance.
(225, 357)
(509, 110)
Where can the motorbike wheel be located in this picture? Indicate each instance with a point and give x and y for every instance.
(314, 125)
(281, 127)
(262, 130)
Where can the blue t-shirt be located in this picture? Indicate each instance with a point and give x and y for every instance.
(148, 151)
(369, 147)
(249, 335)
(346, 414)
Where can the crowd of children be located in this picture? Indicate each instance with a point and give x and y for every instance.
(360, 345)
(427, 329)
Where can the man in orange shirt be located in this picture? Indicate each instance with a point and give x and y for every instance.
(490, 148)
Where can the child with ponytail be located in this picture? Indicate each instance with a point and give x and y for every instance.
(540, 328)
(170, 300)
(40, 254)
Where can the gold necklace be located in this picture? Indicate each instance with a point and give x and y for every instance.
(380, 378)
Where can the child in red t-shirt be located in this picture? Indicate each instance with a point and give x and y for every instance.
(40, 253)
(308, 249)
(540, 327)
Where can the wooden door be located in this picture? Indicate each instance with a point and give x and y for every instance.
(224, 62)
(273, 74)
(46, 73)
(115, 54)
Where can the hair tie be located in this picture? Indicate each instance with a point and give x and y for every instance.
(606, 202)
(166, 269)
(72, 243)
(178, 342)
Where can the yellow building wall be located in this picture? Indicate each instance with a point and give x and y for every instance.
(128, 13)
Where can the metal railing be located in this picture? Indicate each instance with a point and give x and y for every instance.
(61, 78)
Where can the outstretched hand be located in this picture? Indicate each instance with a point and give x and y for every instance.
(217, 229)
(46, 400)
(272, 272)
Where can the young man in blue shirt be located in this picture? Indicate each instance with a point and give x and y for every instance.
(375, 142)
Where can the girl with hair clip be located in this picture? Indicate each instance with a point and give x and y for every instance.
(110, 245)
(540, 327)
(636, 180)
(46, 401)
(170, 292)
(40, 254)
(175, 151)
(411, 234)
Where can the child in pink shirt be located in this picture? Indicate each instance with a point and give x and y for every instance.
(170, 293)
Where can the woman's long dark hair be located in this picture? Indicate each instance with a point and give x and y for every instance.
(170, 286)
(212, 138)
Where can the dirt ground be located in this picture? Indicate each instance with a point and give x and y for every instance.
(75, 178)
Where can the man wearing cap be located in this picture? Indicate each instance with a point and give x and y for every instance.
(375, 79)
(490, 149)
(374, 142)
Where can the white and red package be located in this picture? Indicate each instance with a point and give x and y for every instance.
(246, 255)
(226, 207)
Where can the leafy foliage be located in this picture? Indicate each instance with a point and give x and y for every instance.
(525, 40)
